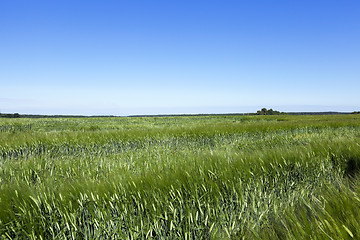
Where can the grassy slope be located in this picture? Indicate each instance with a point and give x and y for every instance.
(285, 177)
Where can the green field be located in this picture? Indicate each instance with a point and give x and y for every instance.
(200, 177)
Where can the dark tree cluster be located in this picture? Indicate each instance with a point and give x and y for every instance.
(265, 111)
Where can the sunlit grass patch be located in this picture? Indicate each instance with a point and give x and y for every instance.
(236, 177)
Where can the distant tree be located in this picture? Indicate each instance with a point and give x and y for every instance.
(263, 111)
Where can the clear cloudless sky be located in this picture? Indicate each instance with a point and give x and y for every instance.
(191, 56)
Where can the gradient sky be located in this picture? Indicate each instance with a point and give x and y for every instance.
(160, 57)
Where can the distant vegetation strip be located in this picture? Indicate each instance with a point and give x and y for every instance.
(263, 111)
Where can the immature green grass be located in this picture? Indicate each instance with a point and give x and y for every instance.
(208, 177)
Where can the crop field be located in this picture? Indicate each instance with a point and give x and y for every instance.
(198, 177)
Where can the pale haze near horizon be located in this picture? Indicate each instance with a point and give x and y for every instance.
(178, 57)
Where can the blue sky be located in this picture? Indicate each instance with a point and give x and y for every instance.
(163, 57)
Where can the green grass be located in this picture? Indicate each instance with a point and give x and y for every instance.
(207, 177)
